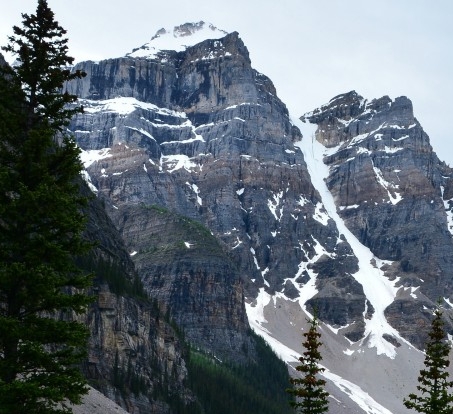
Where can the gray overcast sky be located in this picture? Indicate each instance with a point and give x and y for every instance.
(311, 49)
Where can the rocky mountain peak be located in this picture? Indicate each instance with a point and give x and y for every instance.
(388, 184)
(220, 200)
(342, 106)
(177, 39)
(348, 115)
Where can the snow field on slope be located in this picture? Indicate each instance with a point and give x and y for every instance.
(124, 105)
(256, 319)
(377, 288)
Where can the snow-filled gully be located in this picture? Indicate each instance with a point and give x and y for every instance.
(378, 289)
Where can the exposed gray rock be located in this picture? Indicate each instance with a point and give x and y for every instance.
(389, 187)
(97, 403)
(133, 352)
(221, 151)
(188, 271)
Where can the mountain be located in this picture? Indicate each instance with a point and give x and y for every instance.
(237, 215)
(394, 194)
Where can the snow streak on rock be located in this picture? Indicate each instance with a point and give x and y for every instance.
(378, 289)
(356, 394)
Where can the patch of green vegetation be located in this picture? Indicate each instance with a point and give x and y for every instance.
(110, 272)
(193, 226)
(126, 381)
(224, 388)
(159, 209)
(181, 229)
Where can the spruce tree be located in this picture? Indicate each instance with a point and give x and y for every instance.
(309, 390)
(41, 225)
(434, 385)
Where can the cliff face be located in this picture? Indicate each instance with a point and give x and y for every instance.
(202, 134)
(188, 271)
(390, 190)
(135, 357)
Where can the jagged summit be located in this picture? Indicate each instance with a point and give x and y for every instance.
(177, 39)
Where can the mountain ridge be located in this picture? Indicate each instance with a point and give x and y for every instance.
(201, 134)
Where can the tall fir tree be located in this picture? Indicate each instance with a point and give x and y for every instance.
(41, 225)
(434, 386)
(309, 390)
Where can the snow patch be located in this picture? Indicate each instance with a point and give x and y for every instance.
(400, 139)
(356, 394)
(362, 137)
(448, 212)
(255, 260)
(124, 106)
(348, 207)
(321, 214)
(89, 157)
(196, 190)
(141, 131)
(273, 205)
(390, 150)
(87, 179)
(447, 300)
(394, 197)
(302, 201)
(178, 39)
(255, 314)
(238, 243)
(177, 162)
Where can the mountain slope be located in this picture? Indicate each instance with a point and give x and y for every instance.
(389, 188)
(221, 152)
(234, 219)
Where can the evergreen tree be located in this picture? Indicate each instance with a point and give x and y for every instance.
(41, 225)
(434, 386)
(310, 395)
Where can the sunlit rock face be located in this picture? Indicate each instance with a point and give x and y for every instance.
(389, 188)
(201, 133)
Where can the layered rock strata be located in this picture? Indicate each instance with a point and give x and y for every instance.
(394, 194)
(135, 357)
(202, 134)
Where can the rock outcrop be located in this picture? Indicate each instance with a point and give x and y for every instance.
(390, 188)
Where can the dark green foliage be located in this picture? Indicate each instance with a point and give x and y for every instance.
(311, 397)
(110, 272)
(41, 49)
(126, 380)
(434, 386)
(41, 226)
(257, 387)
(184, 228)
